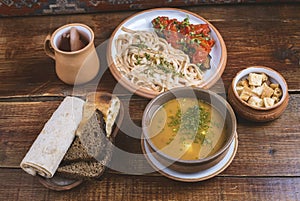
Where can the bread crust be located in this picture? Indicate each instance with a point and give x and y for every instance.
(108, 104)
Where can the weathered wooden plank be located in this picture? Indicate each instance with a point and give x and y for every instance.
(17, 185)
(267, 163)
(9, 8)
(265, 149)
(254, 35)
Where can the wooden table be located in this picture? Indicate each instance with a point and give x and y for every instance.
(267, 163)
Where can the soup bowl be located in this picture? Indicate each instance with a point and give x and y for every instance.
(218, 103)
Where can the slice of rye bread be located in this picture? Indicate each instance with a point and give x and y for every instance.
(82, 170)
(76, 152)
(90, 140)
(86, 170)
(92, 135)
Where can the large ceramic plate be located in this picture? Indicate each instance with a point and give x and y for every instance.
(142, 21)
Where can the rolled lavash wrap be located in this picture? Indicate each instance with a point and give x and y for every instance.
(52, 143)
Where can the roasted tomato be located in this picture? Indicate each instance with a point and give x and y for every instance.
(192, 39)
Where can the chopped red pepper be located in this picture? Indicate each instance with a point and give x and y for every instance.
(192, 39)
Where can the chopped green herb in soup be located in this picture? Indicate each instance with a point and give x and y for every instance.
(187, 129)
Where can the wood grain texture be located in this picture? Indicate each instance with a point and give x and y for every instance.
(25, 8)
(15, 185)
(265, 149)
(254, 35)
(266, 166)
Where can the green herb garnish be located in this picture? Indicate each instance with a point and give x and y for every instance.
(193, 124)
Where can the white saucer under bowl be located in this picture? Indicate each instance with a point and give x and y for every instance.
(195, 176)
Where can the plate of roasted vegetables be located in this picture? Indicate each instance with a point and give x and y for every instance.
(159, 49)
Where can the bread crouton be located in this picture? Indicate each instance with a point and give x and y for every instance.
(277, 92)
(267, 91)
(255, 79)
(274, 86)
(256, 101)
(258, 90)
(239, 89)
(276, 99)
(268, 102)
(243, 83)
(246, 93)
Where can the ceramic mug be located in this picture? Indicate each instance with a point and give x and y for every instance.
(73, 67)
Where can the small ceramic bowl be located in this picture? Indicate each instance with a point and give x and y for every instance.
(190, 166)
(254, 113)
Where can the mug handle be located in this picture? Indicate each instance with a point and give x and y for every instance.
(48, 48)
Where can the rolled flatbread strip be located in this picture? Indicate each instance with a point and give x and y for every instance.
(52, 143)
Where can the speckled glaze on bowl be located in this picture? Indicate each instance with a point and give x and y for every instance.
(213, 99)
(253, 113)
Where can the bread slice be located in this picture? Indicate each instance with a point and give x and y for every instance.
(92, 135)
(82, 170)
(76, 152)
(90, 140)
(86, 169)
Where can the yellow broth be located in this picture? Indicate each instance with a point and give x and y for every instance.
(187, 129)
